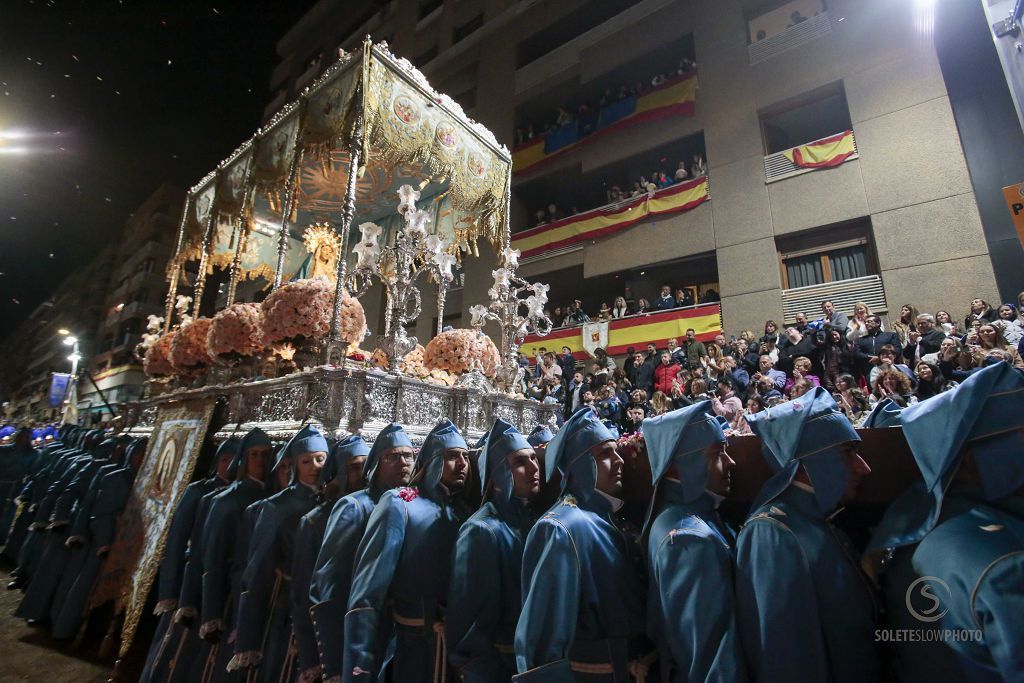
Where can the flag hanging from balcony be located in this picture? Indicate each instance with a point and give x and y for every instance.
(676, 97)
(825, 153)
(635, 331)
(611, 219)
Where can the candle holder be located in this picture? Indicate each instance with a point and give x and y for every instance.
(505, 308)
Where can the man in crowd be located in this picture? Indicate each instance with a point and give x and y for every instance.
(665, 373)
(869, 345)
(582, 603)
(567, 362)
(642, 374)
(665, 300)
(924, 340)
(691, 565)
(387, 466)
(693, 350)
(833, 317)
(799, 345)
(807, 610)
(484, 596)
(403, 566)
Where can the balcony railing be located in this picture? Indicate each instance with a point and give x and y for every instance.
(792, 37)
(777, 166)
(843, 294)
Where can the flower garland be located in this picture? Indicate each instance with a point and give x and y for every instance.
(188, 348)
(236, 332)
(156, 362)
(456, 351)
(302, 310)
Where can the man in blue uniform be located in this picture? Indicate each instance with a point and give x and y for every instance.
(405, 559)
(263, 621)
(387, 466)
(17, 462)
(691, 607)
(341, 475)
(582, 580)
(484, 597)
(806, 609)
(176, 554)
(956, 541)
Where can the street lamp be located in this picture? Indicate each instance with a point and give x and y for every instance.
(76, 355)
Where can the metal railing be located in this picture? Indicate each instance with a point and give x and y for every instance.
(777, 166)
(794, 36)
(842, 293)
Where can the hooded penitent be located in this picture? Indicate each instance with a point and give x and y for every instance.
(807, 431)
(540, 435)
(229, 446)
(886, 413)
(680, 438)
(392, 436)
(352, 446)
(309, 439)
(255, 438)
(569, 453)
(984, 414)
(501, 441)
(444, 436)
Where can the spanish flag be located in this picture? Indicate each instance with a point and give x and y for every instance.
(636, 331)
(825, 153)
(605, 221)
(676, 97)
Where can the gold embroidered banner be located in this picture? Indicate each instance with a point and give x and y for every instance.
(142, 528)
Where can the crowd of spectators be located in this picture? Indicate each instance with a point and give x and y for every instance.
(658, 179)
(853, 355)
(573, 313)
(586, 112)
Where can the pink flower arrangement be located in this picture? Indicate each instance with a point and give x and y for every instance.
(456, 350)
(302, 310)
(236, 331)
(408, 493)
(188, 349)
(157, 361)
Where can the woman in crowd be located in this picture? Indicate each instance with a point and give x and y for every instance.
(604, 313)
(837, 357)
(755, 404)
(1011, 325)
(856, 326)
(851, 399)
(980, 346)
(771, 333)
(619, 309)
(642, 306)
(714, 363)
(660, 403)
(698, 389)
(906, 323)
(801, 370)
(980, 310)
(893, 384)
(944, 321)
(930, 381)
(725, 402)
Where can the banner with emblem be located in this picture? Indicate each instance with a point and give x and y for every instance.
(595, 336)
(138, 547)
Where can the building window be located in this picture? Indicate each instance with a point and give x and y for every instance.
(774, 17)
(465, 29)
(825, 255)
(805, 118)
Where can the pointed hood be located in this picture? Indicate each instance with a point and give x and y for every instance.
(352, 446)
(985, 414)
(392, 436)
(502, 440)
(540, 436)
(569, 453)
(308, 439)
(886, 413)
(680, 437)
(228, 447)
(806, 431)
(254, 438)
(443, 437)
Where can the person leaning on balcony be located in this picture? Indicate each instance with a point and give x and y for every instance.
(684, 297)
(665, 300)
(619, 309)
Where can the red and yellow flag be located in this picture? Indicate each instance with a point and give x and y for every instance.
(636, 331)
(825, 153)
(605, 221)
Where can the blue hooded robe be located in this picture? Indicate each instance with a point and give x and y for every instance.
(806, 610)
(405, 559)
(583, 602)
(484, 596)
(691, 562)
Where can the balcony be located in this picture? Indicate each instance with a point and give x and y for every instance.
(793, 37)
(842, 293)
(779, 166)
(636, 331)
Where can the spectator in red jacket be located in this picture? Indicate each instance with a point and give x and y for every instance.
(664, 373)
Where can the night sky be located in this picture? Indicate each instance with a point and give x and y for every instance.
(116, 98)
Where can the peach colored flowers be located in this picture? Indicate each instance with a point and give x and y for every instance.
(236, 331)
(455, 351)
(157, 362)
(302, 310)
(188, 348)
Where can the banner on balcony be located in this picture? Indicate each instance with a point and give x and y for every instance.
(635, 331)
(676, 97)
(607, 220)
(824, 153)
